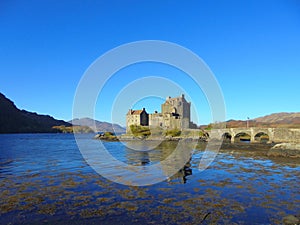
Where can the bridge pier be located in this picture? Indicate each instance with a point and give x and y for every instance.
(252, 136)
(232, 139)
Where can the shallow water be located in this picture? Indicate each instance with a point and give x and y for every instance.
(45, 180)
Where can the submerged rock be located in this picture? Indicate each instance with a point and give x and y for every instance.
(285, 150)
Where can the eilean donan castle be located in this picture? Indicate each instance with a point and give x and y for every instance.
(175, 114)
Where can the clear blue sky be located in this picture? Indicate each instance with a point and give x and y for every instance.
(252, 47)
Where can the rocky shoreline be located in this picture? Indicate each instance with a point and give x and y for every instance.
(285, 150)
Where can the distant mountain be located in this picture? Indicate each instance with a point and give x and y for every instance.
(275, 120)
(98, 126)
(14, 120)
(280, 118)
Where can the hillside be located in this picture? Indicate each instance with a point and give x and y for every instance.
(280, 118)
(275, 120)
(14, 120)
(98, 126)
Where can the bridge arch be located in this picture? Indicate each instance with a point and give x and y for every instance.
(227, 137)
(262, 137)
(242, 136)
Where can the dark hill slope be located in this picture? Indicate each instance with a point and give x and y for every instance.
(14, 120)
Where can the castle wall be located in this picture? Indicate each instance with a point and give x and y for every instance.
(156, 120)
(185, 123)
(136, 117)
(132, 120)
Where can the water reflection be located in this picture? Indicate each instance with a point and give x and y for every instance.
(182, 174)
(161, 153)
(137, 158)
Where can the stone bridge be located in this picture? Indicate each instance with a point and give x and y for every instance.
(276, 135)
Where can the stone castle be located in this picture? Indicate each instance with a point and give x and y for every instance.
(175, 114)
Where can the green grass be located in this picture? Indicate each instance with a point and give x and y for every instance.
(140, 131)
(173, 133)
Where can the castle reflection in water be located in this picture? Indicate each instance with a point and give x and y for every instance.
(160, 153)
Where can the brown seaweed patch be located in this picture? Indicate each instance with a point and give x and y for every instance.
(165, 189)
(240, 186)
(104, 200)
(89, 213)
(223, 183)
(129, 206)
(47, 209)
(70, 183)
(168, 200)
(8, 206)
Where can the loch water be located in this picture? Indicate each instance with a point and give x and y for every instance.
(44, 179)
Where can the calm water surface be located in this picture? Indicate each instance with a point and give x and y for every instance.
(45, 180)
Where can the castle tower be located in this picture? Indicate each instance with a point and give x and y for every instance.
(176, 112)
